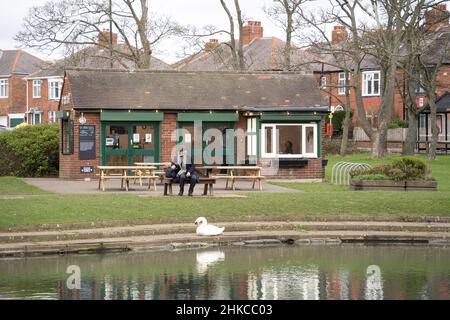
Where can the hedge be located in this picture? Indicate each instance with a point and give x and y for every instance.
(30, 151)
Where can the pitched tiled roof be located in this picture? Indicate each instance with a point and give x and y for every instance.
(93, 57)
(260, 54)
(18, 62)
(172, 90)
(442, 103)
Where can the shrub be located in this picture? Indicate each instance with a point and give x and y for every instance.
(30, 151)
(338, 119)
(405, 168)
(373, 176)
(397, 123)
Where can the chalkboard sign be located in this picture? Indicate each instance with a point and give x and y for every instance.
(86, 138)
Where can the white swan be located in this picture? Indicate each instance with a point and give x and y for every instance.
(205, 229)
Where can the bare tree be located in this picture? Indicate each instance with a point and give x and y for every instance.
(237, 50)
(380, 42)
(78, 23)
(286, 14)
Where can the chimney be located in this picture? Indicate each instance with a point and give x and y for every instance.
(253, 30)
(103, 39)
(338, 34)
(211, 45)
(436, 18)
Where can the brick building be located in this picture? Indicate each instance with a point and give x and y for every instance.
(112, 117)
(15, 65)
(332, 79)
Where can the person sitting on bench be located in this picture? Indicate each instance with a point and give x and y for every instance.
(180, 170)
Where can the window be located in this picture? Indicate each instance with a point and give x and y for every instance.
(4, 88)
(289, 140)
(323, 82)
(251, 137)
(37, 118)
(419, 89)
(52, 116)
(54, 90)
(37, 88)
(341, 83)
(371, 83)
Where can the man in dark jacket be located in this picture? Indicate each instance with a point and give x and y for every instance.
(181, 170)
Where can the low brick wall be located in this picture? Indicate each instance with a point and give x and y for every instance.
(390, 185)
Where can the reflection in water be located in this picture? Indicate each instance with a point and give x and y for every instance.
(208, 258)
(374, 283)
(285, 272)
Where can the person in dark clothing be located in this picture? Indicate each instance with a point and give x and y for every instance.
(181, 170)
(288, 147)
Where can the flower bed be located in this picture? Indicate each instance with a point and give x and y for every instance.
(404, 174)
(389, 185)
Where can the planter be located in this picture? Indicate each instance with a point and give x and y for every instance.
(358, 184)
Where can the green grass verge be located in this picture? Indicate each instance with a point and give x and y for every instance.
(319, 199)
(14, 186)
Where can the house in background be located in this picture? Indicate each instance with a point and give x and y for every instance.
(44, 86)
(15, 65)
(260, 54)
(333, 82)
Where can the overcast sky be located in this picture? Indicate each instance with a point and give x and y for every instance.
(193, 12)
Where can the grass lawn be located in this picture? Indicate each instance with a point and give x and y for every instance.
(319, 199)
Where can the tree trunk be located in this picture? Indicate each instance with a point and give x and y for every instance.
(379, 147)
(411, 133)
(287, 49)
(409, 145)
(346, 122)
(240, 49)
(434, 127)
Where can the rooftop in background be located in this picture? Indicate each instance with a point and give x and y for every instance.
(175, 90)
(18, 62)
(96, 56)
(260, 53)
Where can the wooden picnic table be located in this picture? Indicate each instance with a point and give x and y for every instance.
(250, 173)
(121, 172)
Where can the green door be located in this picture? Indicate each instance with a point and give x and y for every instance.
(124, 143)
(216, 155)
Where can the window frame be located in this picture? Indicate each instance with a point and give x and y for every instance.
(275, 135)
(51, 89)
(37, 86)
(341, 87)
(52, 116)
(365, 82)
(4, 83)
(33, 118)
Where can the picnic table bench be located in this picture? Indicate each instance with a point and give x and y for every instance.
(234, 173)
(160, 166)
(121, 172)
(207, 181)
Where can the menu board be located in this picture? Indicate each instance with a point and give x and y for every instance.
(86, 138)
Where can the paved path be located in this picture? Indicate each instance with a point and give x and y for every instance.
(63, 186)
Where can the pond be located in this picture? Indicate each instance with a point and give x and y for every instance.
(255, 273)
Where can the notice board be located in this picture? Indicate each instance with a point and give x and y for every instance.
(86, 139)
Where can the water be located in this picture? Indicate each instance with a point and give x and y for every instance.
(281, 272)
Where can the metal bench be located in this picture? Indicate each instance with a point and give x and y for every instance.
(208, 182)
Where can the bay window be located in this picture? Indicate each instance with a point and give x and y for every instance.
(371, 83)
(289, 140)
